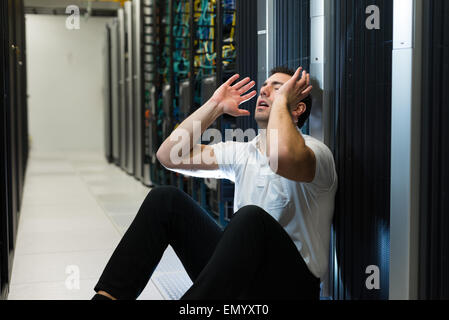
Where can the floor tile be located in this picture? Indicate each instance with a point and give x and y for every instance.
(56, 267)
(88, 239)
(53, 291)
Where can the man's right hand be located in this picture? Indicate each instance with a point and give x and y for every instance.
(229, 97)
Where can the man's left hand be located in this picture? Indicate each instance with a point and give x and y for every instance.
(296, 89)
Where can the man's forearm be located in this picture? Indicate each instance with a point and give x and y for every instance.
(205, 116)
(290, 142)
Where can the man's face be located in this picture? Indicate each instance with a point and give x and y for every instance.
(266, 98)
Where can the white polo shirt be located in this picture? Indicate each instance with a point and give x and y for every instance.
(304, 210)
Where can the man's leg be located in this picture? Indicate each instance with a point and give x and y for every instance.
(168, 216)
(255, 259)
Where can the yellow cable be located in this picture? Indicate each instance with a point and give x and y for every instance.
(233, 27)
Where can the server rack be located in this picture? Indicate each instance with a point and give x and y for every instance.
(205, 65)
(129, 90)
(181, 67)
(247, 49)
(362, 150)
(155, 68)
(434, 202)
(144, 90)
(115, 90)
(13, 130)
(166, 95)
(4, 183)
(139, 114)
(150, 17)
(292, 41)
(108, 98)
(122, 91)
(221, 192)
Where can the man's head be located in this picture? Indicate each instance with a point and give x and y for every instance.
(279, 76)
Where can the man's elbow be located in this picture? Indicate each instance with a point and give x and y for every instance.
(163, 157)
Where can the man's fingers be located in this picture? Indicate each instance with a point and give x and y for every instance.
(307, 91)
(248, 96)
(241, 83)
(297, 73)
(303, 83)
(232, 79)
(247, 87)
(244, 113)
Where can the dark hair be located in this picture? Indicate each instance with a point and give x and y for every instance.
(307, 100)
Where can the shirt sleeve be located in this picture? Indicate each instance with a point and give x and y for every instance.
(229, 156)
(325, 173)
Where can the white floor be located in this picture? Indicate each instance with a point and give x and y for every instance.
(75, 209)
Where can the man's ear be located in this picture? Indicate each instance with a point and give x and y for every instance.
(299, 110)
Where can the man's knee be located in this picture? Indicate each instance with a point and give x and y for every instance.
(164, 191)
(163, 195)
(160, 199)
(249, 215)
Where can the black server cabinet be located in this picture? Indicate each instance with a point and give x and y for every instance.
(139, 112)
(147, 64)
(292, 44)
(292, 47)
(115, 90)
(152, 49)
(108, 144)
(434, 207)
(129, 89)
(247, 45)
(4, 239)
(122, 90)
(14, 130)
(362, 150)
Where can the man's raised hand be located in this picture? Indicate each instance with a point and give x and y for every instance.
(297, 88)
(229, 97)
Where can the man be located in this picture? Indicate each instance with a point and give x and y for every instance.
(276, 246)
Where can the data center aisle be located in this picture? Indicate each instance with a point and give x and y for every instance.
(76, 207)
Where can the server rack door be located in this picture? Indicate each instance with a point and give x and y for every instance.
(115, 88)
(11, 138)
(434, 200)
(107, 98)
(137, 86)
(247, 45)
(4, 185)
(20, 97)
(129, 88)
(123, 100)
(362, 148)
(147, 66)
(24, 119)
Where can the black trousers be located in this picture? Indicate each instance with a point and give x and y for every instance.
(253, 258)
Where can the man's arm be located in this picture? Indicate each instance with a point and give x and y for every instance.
(294, 160)
(180, 151)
